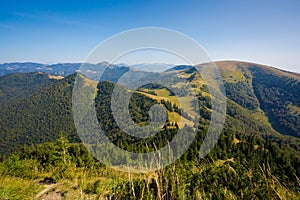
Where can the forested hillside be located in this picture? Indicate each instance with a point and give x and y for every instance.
(279, 98)
(14, 87)
(275, 92)
(37, 118)
(256, 157)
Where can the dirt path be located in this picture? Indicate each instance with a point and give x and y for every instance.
(44, 191)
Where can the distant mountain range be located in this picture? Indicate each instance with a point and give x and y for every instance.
(65, 69)
(62, 69)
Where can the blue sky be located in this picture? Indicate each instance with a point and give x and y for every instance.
(261, 31)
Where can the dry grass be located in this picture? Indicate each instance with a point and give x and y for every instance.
(293, 109)
(18, 188)
(55, 77)
(232, 65)
(235, 140)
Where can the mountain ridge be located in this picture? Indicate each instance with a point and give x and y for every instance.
(15, 67)
(248, 103)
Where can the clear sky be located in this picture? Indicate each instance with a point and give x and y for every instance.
(261, 31)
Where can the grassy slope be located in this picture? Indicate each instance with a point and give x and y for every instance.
(270, 117)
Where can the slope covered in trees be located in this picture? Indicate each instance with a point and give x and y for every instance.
(251, 159)
(44, 109)
(276, 92)
(19, 86)
(37, 118)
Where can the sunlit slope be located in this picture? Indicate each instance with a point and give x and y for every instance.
(274, 91)
(261, 100)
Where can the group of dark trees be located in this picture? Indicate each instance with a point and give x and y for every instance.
(32, 119)
(275, 93)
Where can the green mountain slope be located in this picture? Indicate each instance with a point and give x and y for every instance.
(43, 109)
(18, 86)
(37, 118)
(253, 158)
(274, 91)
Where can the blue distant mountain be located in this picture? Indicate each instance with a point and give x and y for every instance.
(66, 69)
(61, 69)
